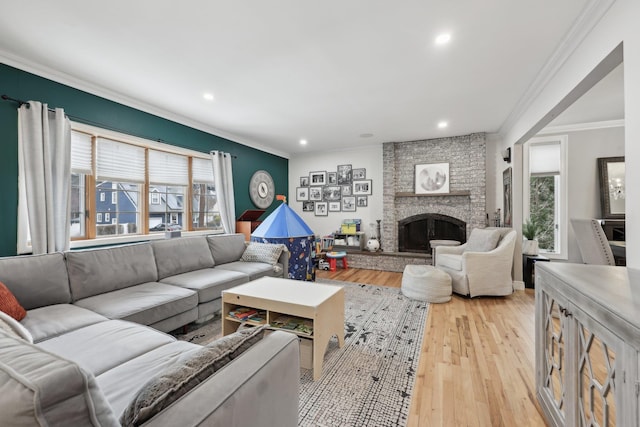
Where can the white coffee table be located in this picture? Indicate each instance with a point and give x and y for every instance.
(323, 305)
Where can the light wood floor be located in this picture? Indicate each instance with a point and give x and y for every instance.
(477, 365)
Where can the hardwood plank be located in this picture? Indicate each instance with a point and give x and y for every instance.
(477, 363)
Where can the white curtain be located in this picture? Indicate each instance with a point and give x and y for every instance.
(223, 178)
(44, 144)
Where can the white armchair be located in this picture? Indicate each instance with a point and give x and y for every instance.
(483, 272)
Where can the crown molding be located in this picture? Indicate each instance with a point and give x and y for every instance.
(103, 92)
(582, 127)
(582, 26)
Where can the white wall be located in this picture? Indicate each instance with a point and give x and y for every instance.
(584, 148)
(369, 158)
(618, 25)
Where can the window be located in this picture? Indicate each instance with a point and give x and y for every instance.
(546, 195)
(122, 186)
(155, 197)
(168, 180)
(204, 209)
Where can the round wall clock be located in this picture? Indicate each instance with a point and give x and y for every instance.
(262, 189)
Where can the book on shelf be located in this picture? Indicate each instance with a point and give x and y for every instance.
(292, 323)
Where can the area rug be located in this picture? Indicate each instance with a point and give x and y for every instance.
(369, 381)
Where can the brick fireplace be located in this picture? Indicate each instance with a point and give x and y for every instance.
(465, 202)
(415, 232)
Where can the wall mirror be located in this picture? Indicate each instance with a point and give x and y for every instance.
(612, 186)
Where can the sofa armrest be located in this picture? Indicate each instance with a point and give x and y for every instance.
(246, 391)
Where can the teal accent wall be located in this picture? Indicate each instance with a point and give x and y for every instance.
(102, 112)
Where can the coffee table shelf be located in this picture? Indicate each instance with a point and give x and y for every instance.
(322, 306)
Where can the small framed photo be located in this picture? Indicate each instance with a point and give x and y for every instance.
(332, 178)
(360, 173)
(308, 206)
(345, 175)
(346, 190)
(321, 209)
(318, 178)
(432, 178)
(334, 206)
(362, 187)
(302, 194)
(331, 193)
(349, 204)
(315, 193)
(362, 201)
(304, 181)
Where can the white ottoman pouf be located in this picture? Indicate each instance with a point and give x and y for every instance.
(426, 283)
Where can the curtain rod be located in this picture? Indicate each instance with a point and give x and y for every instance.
(92, 123)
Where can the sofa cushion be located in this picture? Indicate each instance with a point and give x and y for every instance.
(14, 328)
(189, 371)
(47, 389)
(176, 256)
(452, 261)
(105, 345)
(226, 247)
(146, 303)
(10, 305)
(268, 253)
(482, 240)
(121, 383)
(208, 282)
(53, 320)
(97, 271)
(254, 270)
(36, 280)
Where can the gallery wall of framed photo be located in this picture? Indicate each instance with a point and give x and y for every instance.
(342, 190)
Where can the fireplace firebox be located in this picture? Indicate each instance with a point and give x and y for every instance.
(415, 231)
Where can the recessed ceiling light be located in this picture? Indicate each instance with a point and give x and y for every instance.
(442, 124)
(303, 142)
(443, 38)
(208, 96)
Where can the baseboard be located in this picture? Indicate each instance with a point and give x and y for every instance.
(518, 285)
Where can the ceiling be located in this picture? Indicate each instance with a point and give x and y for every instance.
(282, 70)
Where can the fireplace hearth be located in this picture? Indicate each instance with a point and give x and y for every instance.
(415, 231)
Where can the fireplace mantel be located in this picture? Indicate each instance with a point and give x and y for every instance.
(451, 194)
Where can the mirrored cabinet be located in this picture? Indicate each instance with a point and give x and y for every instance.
(587, 341)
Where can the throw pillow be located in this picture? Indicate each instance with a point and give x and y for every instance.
(9, 304)
(14, 328)
(262, 252)
(482, 240)
(189, 370)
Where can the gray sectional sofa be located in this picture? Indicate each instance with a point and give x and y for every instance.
(96, 318)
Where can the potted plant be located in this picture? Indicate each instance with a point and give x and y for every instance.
(529, 232)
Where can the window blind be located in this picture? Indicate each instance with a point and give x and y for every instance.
(202, 170)
(117, 161)
(544, 159)
(81, 153)
(168, 168)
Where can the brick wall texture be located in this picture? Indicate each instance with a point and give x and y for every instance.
(466, 156)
